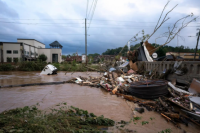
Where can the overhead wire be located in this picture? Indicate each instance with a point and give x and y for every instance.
(80, 23)
(90, 9)
(69, 34)
(92, 13)
(102, 26)
(86, 8)
(93, 19)
(36, 23)
(39, 19)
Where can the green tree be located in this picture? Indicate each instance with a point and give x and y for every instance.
(64, 56)
(161, 51)
(93, 55)
(74, 54)
(42, 57)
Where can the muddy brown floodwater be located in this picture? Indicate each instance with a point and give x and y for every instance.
(94, 100)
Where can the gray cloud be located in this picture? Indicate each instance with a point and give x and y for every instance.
(6, 11)
(64, 21)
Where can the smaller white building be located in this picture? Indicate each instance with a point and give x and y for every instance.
(29, 49)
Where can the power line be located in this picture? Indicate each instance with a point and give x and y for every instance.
(132, 21)
(71, 34)
(70, 23)
(56, 24)
(101, 26)
(135, 27)
(86, 8)
(40, 19)
(38, 34)
(90, 8)
(93, 13)
(88, 15)
(36, 23)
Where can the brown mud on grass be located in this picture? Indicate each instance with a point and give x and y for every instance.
(94, 100)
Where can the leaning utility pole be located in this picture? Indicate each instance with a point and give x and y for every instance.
(197, 45)
(86, 40)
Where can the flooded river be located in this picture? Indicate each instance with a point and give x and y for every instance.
(94, 100)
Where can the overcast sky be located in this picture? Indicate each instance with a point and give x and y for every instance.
(113, 23)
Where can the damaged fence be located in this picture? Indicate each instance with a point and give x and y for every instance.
(193, 68)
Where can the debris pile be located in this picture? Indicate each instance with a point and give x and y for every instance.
(149, 90)
(165, 95)
(110, 81)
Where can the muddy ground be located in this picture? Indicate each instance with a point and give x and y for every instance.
(94, 100)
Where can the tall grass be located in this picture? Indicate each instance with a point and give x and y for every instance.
(31, 66)
(39, 65)
(64, 120)
(6, 67)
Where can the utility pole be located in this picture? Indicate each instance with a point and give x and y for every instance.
(86, 39)
(197, 45)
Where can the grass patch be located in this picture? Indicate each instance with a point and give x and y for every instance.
(136, 118)
(151, 118)
(64, 119)
(166, 131)
(145, 122)
(6, 67)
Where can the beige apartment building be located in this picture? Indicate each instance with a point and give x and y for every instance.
(29, 49)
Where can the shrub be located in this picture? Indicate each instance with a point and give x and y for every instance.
(57, 65)
(31, 66)
(73, 63)
(15, 60)
(9, 59)
(42, 57)
(6, 67)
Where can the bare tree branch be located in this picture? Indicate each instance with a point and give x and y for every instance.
(163, 21)
(161, 15)
(172, 33)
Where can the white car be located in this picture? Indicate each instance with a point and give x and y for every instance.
(49, 70)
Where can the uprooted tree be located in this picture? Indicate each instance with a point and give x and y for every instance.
(173, 30)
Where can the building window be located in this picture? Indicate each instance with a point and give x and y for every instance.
(9, 59)
(25, 52)
(15, 60)
(9, 52)
(15, 51)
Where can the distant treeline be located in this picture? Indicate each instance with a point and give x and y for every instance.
(161, 51)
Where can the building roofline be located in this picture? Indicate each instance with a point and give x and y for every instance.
(49, 48)
(13, 42)
(29, 45)
(19, 43)
(30, 39)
